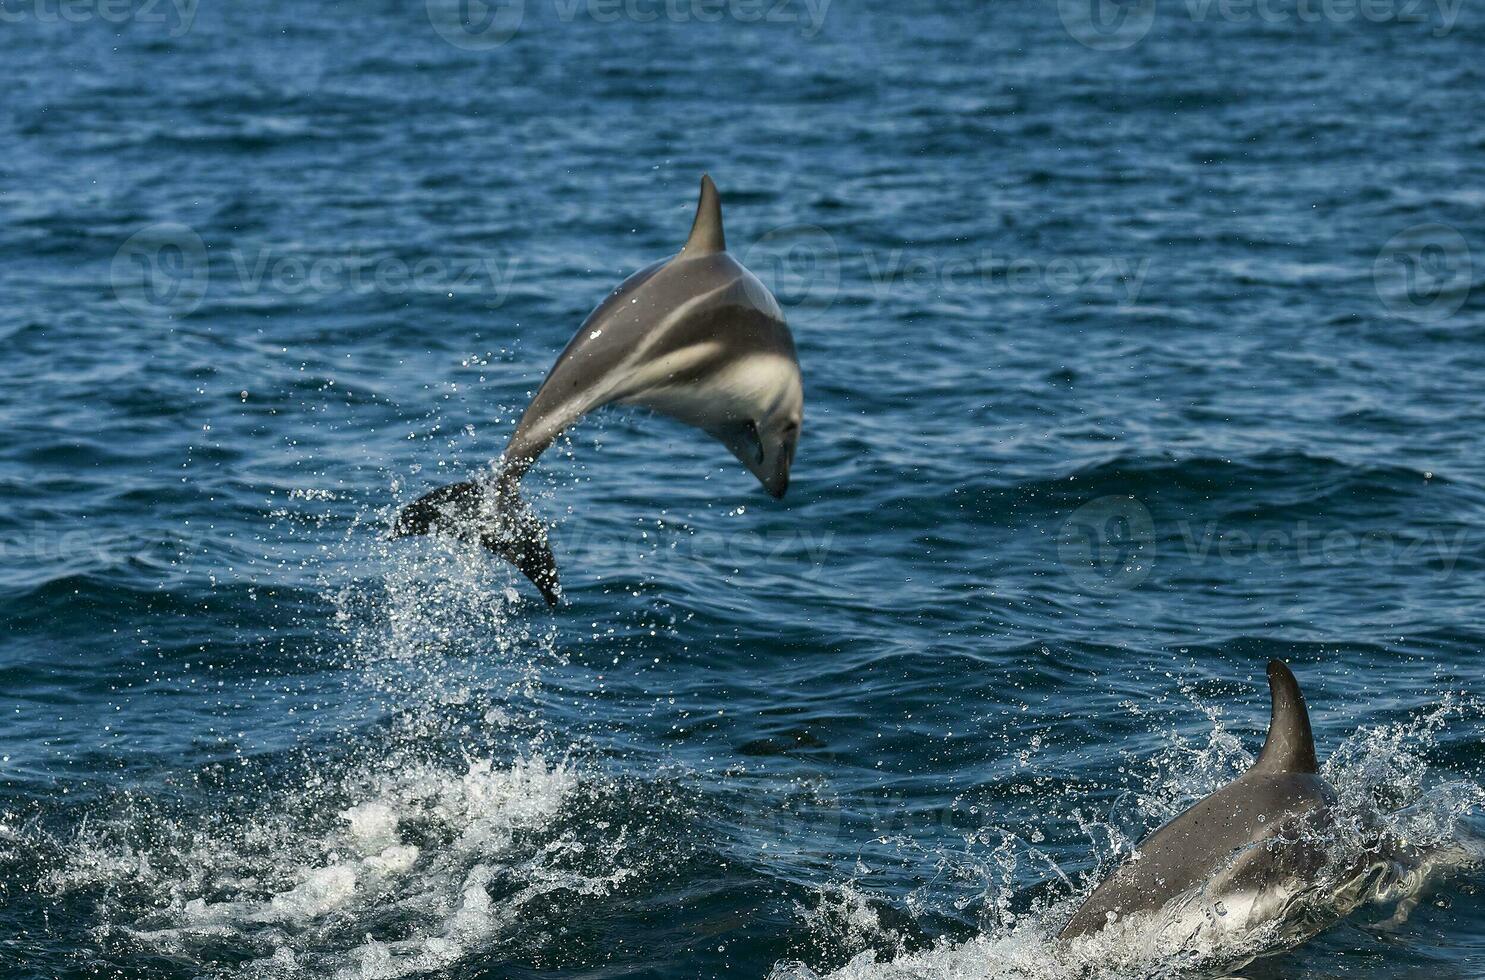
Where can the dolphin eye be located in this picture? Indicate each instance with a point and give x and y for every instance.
(750, 430)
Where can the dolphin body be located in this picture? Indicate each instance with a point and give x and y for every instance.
(696, 337)
(1243, 855)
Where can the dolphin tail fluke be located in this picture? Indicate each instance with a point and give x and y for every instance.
(497, 517)
(1290, 746)
(520, 537)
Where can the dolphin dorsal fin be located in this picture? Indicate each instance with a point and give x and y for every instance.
(1290, 746)
(706, 231)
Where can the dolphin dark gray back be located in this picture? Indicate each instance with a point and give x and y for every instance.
(1280, 793)
(699, 295)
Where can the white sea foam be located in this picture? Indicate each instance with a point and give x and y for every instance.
(306, 898)
(406, 855)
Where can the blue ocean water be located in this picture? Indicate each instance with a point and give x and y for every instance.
(1141, 344)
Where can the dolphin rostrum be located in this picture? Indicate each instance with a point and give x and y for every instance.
(1241, 855)
(696, 337)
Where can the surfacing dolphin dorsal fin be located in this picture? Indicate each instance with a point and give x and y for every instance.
(706, 231)
(1290, 746)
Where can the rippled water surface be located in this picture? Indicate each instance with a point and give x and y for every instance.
(1138, 350)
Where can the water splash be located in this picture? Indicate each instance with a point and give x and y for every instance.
(1402, 828)
(394, 848)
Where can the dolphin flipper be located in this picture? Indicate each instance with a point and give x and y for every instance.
(495, 515)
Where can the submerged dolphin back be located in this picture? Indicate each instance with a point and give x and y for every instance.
(1244, 838)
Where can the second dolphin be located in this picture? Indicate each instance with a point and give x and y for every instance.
(1252, 854)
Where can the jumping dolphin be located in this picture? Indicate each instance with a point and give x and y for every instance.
(1246, 851)
(696, 337)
